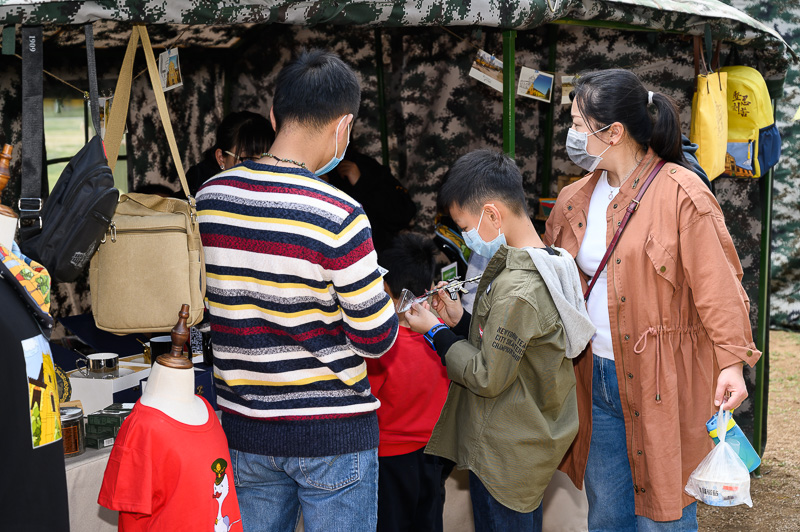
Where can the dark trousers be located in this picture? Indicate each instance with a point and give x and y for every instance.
(410, 493)
(491, 516)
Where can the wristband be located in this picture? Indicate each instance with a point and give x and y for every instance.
(430, 334)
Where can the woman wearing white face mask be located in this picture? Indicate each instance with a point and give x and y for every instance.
(672, 317)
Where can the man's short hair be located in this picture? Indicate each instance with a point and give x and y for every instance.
(479, 177)
(314, 89)
(411, 261)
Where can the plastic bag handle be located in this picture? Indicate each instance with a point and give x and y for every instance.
(722, 423)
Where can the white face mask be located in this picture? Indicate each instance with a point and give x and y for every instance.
(576, 149)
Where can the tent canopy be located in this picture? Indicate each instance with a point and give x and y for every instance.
(680, 16)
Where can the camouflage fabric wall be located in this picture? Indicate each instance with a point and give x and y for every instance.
(785, 303)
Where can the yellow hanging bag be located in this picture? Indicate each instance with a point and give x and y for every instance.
(709, 128)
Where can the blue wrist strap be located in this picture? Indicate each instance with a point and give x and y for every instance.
(430, 334)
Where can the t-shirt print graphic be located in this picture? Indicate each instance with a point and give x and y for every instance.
(222, 522)
(42, 392)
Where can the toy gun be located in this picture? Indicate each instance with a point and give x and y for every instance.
(407, 299)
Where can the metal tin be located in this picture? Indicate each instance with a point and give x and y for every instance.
(72, 431)
(99, 365)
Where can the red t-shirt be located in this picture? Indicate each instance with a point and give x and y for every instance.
(411, 384)
(165, 475)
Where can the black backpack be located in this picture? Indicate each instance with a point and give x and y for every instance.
(64, 234)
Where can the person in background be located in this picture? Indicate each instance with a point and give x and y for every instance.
(411, 384)
(297, 303)
(672, 316)
(241, 136)
(511, 411)
(388, 206)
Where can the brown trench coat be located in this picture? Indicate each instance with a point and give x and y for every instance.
(678, 315)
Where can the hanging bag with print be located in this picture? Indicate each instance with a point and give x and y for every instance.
(709, 128)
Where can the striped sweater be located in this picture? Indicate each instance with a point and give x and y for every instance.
(296, 303)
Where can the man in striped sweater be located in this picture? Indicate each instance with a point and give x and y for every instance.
(296, 304)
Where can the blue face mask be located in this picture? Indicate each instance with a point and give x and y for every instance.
(335, 160)
(477, 244)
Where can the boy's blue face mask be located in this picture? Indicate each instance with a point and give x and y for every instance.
(335, 160)
(477, 244)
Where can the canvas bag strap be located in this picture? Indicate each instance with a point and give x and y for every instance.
(161, 102)
(30, 201)
(119, 108)
(118, 115)
(632, 207)
(94, 106)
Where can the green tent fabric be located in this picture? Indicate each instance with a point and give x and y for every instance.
(680, 16)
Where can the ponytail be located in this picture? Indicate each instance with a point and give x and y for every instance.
(617, 95)
(666, 138)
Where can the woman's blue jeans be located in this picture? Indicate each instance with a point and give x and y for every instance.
(609, 484)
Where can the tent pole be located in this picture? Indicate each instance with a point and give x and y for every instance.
(509, 83)
(549, 127)
(762, 330)
(381, 97)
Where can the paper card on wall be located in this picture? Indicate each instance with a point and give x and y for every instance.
(450, 272)
(535, 84)
(104, 105)
(488, 69)
(169, 68)
(566, 88)
(797, 114)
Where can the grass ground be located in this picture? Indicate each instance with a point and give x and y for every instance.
(776, 495)
(64, 137)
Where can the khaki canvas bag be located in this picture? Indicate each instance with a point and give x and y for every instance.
(151, 261)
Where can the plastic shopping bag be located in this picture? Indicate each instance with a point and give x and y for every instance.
(721, 479)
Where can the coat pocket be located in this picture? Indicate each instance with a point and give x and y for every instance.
(663, 261)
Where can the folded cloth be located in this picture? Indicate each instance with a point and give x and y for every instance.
(560, 275)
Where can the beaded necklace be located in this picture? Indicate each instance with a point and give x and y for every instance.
(290, 161)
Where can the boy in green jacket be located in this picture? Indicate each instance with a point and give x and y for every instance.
(511, 412)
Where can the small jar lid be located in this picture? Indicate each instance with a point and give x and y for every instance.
(71, 413)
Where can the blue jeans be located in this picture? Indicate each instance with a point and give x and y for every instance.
(336, 493)
(609, 484)
(491, 516)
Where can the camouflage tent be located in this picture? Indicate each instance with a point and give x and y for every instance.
(231, 52)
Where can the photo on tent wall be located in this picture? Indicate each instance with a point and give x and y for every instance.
(169, 68)
(566, 88)
(535, 84)
(488, 69)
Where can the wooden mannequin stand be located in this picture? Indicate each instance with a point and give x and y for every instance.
(180, 335)
(170, 386)
(8, 218)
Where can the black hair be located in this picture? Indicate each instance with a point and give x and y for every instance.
(244, 134)
(480, 176)
(617, 95)
(315, 89)
(411, 261)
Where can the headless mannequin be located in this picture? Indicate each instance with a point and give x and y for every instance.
(170, 386)
(8, 227)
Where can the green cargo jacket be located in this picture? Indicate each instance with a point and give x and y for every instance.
(511, 412)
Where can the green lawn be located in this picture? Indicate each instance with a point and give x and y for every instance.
(64, 137)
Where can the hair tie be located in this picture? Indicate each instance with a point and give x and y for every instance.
(649, 97)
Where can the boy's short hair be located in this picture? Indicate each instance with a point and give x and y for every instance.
(314, 89)
(479, 177)
(411, 261)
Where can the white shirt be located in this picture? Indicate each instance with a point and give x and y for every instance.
(588, 259)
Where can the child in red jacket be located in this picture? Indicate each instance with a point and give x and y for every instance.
(411, 384)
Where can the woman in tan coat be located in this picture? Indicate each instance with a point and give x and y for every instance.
(672, 317)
